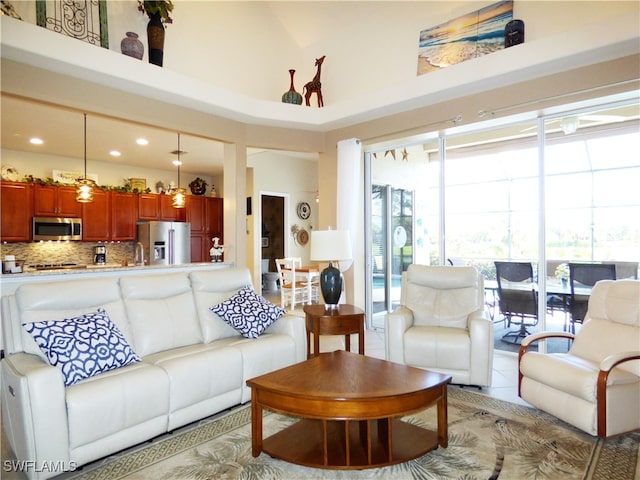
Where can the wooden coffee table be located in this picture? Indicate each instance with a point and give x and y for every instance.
(349, 406)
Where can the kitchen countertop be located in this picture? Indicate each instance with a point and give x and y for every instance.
(11, 281)
(109, 267)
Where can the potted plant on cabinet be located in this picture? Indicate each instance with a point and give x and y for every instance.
(158, 12)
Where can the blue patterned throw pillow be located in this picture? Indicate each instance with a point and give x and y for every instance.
(247, 312)
(82, 346)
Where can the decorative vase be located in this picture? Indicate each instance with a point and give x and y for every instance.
(513, 33)
(331, 284)
(155, 38)
(292, 96)
(131, 46)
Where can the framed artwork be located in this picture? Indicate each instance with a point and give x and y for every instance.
(265, 242)
(71, 177)
(464, 38)
(139, 184)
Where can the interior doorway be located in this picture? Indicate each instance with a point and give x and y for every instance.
(272, 237)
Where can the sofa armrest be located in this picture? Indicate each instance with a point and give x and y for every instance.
(293, 326)
(34, 410)
(481, 337)
(396, 324)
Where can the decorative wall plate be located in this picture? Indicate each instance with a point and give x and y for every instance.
(304, 210)
(302, 237)
(9, 173)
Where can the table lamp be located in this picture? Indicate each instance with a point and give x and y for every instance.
(330, 246)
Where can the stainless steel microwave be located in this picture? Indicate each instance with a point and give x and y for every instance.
(57, 228)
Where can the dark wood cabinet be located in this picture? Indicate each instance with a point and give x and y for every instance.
(152, 206)
(95, 217)
(124, 216)
(111, 216)
(205, 216)
(148, 206)
(16, 210)
(55, 201)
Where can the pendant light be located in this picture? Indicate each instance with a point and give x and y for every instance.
(85, 186)
(179, 195)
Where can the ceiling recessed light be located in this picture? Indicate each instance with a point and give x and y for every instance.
(36, 141)
(142, 141)
(115, 153)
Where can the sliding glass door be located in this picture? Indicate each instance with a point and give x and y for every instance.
(544, 191)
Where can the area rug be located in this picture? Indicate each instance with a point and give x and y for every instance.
(488, 439)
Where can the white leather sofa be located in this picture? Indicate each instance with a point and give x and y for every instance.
(193, 364)
(441, 324)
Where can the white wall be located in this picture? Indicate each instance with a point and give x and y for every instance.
(276, 172)
(248, 47)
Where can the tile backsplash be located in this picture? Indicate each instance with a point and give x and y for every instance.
(67, 252)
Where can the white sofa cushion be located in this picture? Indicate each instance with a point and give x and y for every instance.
(210, 288)
(442, 296)
(106, 404)
(162, 312)
(82, 346)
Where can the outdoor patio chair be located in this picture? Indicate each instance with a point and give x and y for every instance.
(518, 298)
(582, 276)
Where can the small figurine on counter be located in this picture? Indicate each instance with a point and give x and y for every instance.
(217, 250)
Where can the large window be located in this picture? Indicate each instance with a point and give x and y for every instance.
(484, 194)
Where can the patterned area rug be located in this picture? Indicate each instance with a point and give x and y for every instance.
(488, 439)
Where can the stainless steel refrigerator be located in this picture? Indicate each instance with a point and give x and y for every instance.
(165, 243)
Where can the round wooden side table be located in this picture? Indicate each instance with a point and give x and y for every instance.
(344, 320)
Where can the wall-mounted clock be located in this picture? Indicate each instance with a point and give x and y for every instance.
(304, 210)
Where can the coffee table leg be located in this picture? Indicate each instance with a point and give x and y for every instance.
(443, 432)
(256, 425)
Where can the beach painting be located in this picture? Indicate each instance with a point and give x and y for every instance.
(463, 38)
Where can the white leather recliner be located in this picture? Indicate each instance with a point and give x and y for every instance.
(441, 324)
(596, 385)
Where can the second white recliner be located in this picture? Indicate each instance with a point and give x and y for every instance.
(441, 324)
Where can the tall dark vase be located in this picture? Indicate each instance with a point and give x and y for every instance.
(155, 38)
(331, 285)
(292, 96)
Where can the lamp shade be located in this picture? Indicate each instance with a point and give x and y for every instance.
(330, 245)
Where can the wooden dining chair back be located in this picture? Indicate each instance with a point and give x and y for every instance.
(518, 299)
(292, 290)
(583, 275)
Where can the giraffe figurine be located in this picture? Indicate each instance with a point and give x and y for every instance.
(315, 85)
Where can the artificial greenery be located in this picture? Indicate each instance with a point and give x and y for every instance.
(126, 188)
(157, 7)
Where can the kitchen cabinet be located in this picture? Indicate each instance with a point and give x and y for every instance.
(111, 216)
(152, 206)
(124, 216)
(16, 210)
(148, 206)
(55, 201)
(205, 216)
(95, 217)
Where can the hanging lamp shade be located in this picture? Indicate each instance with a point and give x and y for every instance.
(179, 195)
(84, 185)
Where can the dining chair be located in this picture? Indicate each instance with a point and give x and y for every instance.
(583, 276)
(292, 290)
(518, 299)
